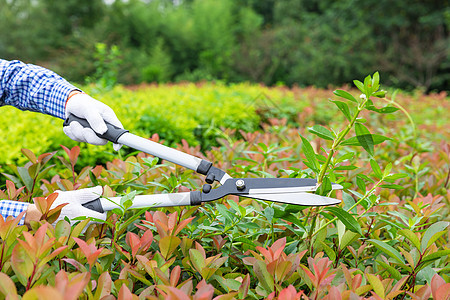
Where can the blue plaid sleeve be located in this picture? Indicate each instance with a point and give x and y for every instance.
(13, 208)
(30, 87)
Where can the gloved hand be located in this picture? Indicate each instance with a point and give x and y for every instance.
(96, 113)
(76, 199)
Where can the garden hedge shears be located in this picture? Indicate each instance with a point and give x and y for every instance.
(282, 190)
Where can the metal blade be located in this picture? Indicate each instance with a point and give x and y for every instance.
(297, 189)
(305, 199)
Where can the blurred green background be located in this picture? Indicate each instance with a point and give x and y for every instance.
(291, 42)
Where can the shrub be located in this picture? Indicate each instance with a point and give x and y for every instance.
(388, 238)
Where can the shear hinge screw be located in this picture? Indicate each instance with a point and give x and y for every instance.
(240, 184)
(206, 188)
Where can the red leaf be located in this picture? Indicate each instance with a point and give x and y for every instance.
(146, 240)
(356, 283)
(183, 224)
(173, 293)
(334, 294)
(245, 285)
(436, 282)
(73, 156)
(278, 246)
(66, 149)
(175, 276)
(266, 253)
(290, 293)
(205, 291)
(134, 242)
(11, 188)
(125, 294)
(30, 155)
(71, 289)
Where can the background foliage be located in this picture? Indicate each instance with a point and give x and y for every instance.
(388, 239)
(303, 42)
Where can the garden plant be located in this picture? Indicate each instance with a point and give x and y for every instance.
(388, 239)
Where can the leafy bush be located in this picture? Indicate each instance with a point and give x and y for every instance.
(186, 111)
(388, 239)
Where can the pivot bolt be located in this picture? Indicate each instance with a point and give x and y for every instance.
(240, 184)
(206, 188)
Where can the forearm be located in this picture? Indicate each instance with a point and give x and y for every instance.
(30, 87)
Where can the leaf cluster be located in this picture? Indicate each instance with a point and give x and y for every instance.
(388, 238)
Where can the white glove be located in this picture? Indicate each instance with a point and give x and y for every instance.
(96, 113)
(75, 199)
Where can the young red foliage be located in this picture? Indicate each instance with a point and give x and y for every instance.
(90, 251)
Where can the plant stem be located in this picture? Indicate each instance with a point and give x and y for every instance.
(338, 141)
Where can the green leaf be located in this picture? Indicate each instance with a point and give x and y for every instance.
(127, 197)
(376, 168)
(392, 186)
(364, 137)
(25, 176)
(408, 234)
(388, 250)
(310, 154)
(383, 110)
(328, 251)
(376, 284)
(269, 212)
(346, 95)
(197, 259)
(248, 225)
(368, 86)
(387, 170)
(353, 141)
(360, 86)
(234, 206)
(360, 183)
(436, 255)
(346, 218)
(295, 220)
(325, 187)
(432, 234)
(223, 210)
(345, 168)
(379, 94)
(348, 202)
(393, 177)
(376, 81)
(322, 132)
(244, 241)
(343, 107)
(168, 244)
(393, 271)
(22, 264)
(263, 276)
(118, 211)
(348, 238)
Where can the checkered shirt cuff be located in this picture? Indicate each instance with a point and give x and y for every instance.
(13, 208)
(58, 97)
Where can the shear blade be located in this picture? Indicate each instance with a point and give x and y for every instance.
(305, 199)
(299, 189)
